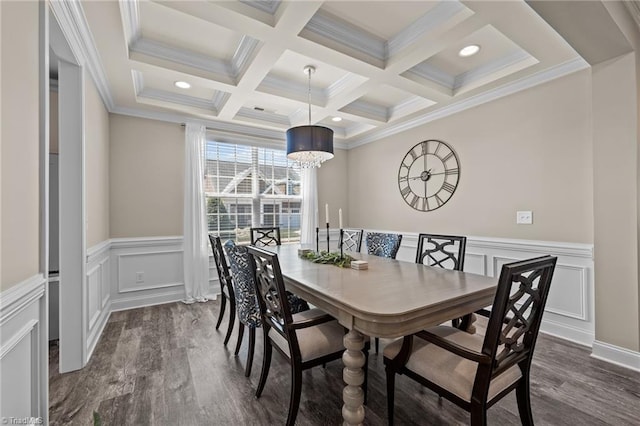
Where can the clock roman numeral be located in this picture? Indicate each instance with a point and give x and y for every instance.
(437, 148)
(414, 201)
(448, 187)
(425, 204)
(438, 200)
(405, 191)
(413, 155)
(425, 148)
(449, 172)
(446, 158)
(404, 178)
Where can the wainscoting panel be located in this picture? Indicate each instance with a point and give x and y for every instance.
(23, 350)
(97, 294)
(149, 271)
(570, 308)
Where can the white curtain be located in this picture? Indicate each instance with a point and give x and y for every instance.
(309, 209)
(196, 255)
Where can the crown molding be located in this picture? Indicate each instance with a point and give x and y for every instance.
(73, 23)
(435, 74)
(219, 99)
(240, 60)
(283, 87)
(333, 28)
(176, 98)
(368, 110)
(130, 14)
(342, 84)
(268, 6)
(409, 106)
(507, 89)
(428, 22)
(165, 52)
(482, 71)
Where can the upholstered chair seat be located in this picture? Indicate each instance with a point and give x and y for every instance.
(314, 342)
(472, 371)
(448, 370)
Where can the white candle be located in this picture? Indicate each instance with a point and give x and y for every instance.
(326, 210)
(340, 217)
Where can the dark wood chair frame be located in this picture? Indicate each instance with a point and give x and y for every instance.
(265, 236)
(352, 239)
(270, 286)
(226, 286)
(517, 333)
(442, 243)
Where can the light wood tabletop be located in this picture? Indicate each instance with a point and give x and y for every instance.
(389, 299)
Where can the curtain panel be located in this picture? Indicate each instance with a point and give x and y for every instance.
(196, 254)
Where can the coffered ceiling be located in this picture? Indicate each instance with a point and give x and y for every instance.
(381, 66)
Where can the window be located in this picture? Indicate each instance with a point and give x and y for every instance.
(247, 186)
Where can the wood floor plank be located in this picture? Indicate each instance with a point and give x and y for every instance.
(166, 365)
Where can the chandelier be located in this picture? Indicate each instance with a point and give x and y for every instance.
(309, 146)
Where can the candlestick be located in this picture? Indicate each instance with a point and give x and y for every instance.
(340, 218)
(328, 237)
(317, 240)
(326, 210)
(341, 241)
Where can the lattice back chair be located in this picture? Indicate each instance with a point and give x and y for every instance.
(472, 371)
(352, 239)
(226, 285)
(246, 301)
(383, 245)
(444, 251)
(266, 236)
(305, 339)
(447, 252)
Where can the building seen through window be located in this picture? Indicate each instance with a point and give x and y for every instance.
(249, 186)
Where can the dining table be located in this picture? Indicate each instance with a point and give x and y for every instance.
(389, 299)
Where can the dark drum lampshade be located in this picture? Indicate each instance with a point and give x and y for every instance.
(310, 145)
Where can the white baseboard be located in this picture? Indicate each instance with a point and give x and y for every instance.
(616, 355)
(567, 332)
(140, 301)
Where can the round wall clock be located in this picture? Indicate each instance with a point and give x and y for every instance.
(428, 175)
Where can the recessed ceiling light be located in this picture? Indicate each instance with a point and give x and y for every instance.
(336, 119)
(470, 50)
(182, 84)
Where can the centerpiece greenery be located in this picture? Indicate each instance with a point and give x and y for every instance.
(330, 258)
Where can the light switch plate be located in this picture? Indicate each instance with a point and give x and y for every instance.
(524, 218)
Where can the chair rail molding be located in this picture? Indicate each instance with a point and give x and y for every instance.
(23, 359)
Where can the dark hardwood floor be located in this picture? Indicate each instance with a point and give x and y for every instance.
(166, 365)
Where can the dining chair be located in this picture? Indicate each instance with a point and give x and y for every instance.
(351, 239)
(306, 339)
(383, 245)
(246, 301)
(447, 252)
(245, 294)
(226, 286)
(472, 371)
(265, 236)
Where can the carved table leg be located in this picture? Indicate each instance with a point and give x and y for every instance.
(353, 375)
